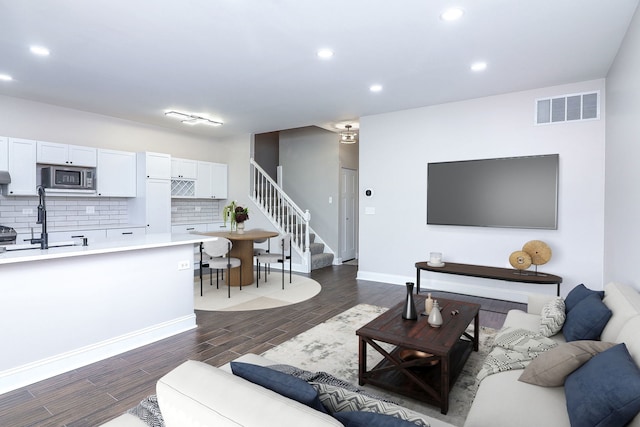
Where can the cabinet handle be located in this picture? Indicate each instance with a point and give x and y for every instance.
(127, 232)
(77, 237)
(190, 228)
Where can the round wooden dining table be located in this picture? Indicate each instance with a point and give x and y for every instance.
(242, 248)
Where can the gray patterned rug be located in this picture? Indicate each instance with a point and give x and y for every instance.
(332, 347)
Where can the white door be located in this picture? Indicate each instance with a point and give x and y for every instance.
(158, 205)
(348, 209)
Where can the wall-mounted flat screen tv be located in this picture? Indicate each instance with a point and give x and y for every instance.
(513, 192)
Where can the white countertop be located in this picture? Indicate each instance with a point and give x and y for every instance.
(143, 242)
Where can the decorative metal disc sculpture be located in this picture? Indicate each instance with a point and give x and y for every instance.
(520, 260)
(539, 251)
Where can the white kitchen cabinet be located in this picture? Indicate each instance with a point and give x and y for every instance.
(219, 181)
(22, 167)
(63, 154)
(212, 181)
(184, 168)
(92, 236)
(218, 226)
(4, 153)
(116, 173)
(154, 165)
(125, 233)
(158, 204)
(188, 228)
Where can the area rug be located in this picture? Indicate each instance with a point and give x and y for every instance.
(252, 297)
(332, 347)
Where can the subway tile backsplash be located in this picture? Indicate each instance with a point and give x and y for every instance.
(69, 212)
(192, 211)
(63, 212)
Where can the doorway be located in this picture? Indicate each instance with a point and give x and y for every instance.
(348, 213)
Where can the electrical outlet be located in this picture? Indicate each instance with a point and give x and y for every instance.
(184, 265)
(91, 209)
(27, 211)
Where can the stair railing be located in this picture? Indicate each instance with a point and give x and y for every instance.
(281, 210)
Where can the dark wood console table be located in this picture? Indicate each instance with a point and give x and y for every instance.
(497, 273)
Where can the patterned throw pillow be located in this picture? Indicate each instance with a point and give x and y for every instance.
(338, 399)
(552, 317)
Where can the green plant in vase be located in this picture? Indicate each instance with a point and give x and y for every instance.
(235, 214)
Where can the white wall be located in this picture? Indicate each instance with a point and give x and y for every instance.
(33, 120)
(622, 204)
(311, 174)
(395, 149)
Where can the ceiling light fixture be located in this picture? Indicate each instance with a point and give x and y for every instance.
(375, 88)
(348, 136)
(5, 77)
(452, 14)
(191, 119)
(325, 53)
(478, 66)
(39, 50)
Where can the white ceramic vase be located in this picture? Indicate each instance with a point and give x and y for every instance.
(435, 317)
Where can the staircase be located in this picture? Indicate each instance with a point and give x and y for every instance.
(287, 217)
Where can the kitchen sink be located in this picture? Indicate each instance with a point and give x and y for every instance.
(31, 246)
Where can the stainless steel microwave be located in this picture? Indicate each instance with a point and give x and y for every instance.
(68, 178)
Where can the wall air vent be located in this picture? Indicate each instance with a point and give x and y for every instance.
(568, 108)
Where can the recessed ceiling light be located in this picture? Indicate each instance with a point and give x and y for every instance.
(375, 88)
(478, 66)
(5, 77)
(39, 50)
(452, 14)
(325, 53)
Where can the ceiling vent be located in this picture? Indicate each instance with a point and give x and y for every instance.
(568, 108)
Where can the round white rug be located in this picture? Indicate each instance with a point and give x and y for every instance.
(268, 295)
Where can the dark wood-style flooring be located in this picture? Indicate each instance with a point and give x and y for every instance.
(94, 394)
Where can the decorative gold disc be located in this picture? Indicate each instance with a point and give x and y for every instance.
(520, 260)
(540, 252)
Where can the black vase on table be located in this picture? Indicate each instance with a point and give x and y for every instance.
(409, 312)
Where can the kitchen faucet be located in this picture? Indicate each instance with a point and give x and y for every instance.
(42, 219)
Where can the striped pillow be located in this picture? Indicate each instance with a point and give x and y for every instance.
(552, 317)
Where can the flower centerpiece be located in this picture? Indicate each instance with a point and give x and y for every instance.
(236, 215)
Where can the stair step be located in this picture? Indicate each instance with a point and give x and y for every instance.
(321, 260)
(316, 248)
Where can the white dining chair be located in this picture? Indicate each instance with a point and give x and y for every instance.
(267, 258)
(220, 252)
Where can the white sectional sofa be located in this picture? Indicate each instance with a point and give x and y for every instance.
(504, 401)
(197, 394)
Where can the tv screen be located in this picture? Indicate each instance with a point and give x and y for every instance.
(514, 192)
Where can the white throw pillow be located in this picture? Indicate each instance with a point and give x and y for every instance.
(552, 317)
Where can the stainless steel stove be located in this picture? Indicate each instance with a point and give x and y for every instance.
(7, 235)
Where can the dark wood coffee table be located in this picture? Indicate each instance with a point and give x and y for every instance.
(426, 360)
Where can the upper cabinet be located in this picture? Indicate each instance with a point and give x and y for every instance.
(212, 181)
(155, 165)
(116, 173)
(4, 153)
(63, 154)
(22, 167)
(184, 168)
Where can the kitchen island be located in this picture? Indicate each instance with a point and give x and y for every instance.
(66, 307)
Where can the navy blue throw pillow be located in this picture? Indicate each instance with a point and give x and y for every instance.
(283, 384)
(577, 294)
(370, 419)
(586, 320)
(605, 391)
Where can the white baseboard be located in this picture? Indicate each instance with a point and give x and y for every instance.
(30, 373)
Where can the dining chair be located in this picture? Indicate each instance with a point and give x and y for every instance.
(267, 258)
(220, 252)
(260, 251)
